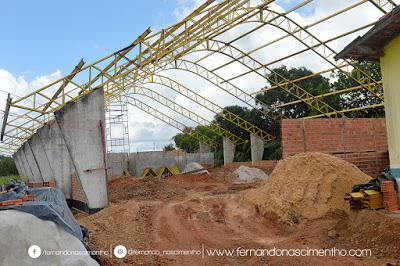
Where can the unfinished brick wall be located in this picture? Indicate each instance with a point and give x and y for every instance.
(361, 141)
(77, 193)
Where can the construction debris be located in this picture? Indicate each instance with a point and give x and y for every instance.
(194, 167)
(246, 174)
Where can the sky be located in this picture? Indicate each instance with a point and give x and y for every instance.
(43, 40)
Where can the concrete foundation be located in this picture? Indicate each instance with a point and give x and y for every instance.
(257, 148)
(57, 155)
(40, 155)
(31, 160)
(82, 127)
(228, 150)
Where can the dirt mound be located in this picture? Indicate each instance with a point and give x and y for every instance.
(305, 186)
(149, 188)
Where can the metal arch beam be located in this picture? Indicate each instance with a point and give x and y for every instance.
(140, 90)
(229, 116)
(218, 18)
(195, 97)
(307, 39)
(201, 71)
(275, 79)
(170, 121)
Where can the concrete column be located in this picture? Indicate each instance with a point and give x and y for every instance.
(228, 150)
(37, 176)
(21, 166)
(19, 169)
(25, 164)
(41, 158)
(391, 79)
(57, 155)
(82, 126)
(204, 148)
(257, 148)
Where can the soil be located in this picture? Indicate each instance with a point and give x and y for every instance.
(306, 186)
(200, 212)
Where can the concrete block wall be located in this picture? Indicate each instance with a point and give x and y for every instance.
(361, 141)
(138, 161)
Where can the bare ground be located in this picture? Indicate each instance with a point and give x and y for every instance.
(192, 212)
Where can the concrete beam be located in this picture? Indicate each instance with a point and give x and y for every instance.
(82, 127)
(257, 148)
(37, 176)
(41, 158)
(57, 155)
(204, 148)
(228, 150)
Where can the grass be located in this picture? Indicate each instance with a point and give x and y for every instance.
(5, 179)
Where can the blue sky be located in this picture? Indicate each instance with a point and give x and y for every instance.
(41, 36)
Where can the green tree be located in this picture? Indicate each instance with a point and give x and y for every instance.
(315, 85)
(7, 167)
(360, 97)
(169, 147)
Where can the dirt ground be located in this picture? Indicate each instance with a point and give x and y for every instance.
(198, 213)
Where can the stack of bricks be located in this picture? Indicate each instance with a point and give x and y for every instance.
(11, 202)
(390, 202)
(49, 184)
(28, 198)
(35, 184)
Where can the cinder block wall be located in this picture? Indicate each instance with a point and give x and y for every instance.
(361, 141)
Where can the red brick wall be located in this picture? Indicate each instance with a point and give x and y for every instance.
(361, 141)
(77, 192)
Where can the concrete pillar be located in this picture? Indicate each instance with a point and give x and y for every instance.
(41, 158)
(21, 170)
(25, 164)
(391, 79)
(82, 127)
(57, 155)
(37, 176)
(257, 148)
(17, 165)
(204, 148)
(228, 150)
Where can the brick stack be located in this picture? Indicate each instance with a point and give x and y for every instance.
(35, 184)
(11, 202)
(28, 198)
(49, 184)
(390, 202)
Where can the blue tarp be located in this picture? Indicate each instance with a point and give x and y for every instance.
(50, 204)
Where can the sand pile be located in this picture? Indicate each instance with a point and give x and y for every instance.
(305, 186)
